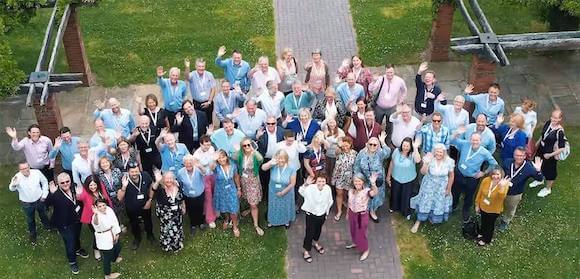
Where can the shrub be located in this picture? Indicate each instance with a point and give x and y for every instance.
(10, 74)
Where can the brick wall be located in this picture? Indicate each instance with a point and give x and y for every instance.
(481, 73)
(75, 48)
(441, 34)
(48, 116)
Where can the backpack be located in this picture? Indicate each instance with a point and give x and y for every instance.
(564, 154)
(470, 228)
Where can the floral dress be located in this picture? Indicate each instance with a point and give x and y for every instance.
(250, 179)
(225, 196)
(432, 202)
(281, 210)
(123, 164)
(112, 184)
(170, 216)
(343, 170)
(367, 164)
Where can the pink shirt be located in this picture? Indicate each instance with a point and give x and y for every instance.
(87, 199)
(358, 201)
(391, 93)
(36, 153)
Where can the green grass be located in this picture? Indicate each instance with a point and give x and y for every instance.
(397, 31)
(126, 40)
(210, 254)
(542, 241)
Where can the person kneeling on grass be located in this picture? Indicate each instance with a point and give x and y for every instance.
(107, 232)
(358, 213)
(489, 203)
(317, 204)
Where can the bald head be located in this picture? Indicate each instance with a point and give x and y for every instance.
(144, 122)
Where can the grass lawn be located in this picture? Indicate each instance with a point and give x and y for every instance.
(210, 254)
(125, 40)
(542, 241)
(397, 31)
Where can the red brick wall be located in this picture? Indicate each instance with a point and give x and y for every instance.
(441, 34)
(75, 48)
(48, 116)
(481, 73)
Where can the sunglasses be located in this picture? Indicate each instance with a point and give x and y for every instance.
(436, 121)
(373, 144)
(64, 182)
(271, 123)
(247, 145)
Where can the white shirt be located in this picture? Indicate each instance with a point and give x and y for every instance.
(108, 227)
(318, 202)
(205, 158)
(271, 147)
(293, 151)
(249, 125)
(272, 105)
(81, 169)
(260, 78)
(30, 188)
(402, 129)
(531, 120)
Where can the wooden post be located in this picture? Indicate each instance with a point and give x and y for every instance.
(75, 48)
(48, 116)
(441, 34)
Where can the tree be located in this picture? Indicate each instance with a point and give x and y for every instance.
(562, 15)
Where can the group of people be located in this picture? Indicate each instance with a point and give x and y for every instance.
(299, 147)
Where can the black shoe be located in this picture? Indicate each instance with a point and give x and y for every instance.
(33, 239)
(202, 227)
(192, 230)
(74, 268)
(82, 253)
(135, 244)
(151, 238)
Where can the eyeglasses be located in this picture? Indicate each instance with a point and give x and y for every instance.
(247, 145)
(373, 144)
(271, 123)
(436, 121)
(64, 182)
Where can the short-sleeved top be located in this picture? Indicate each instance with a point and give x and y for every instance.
(134, 190)
(156, 119)
(441, 168)
(145, 143)
(404, 169)
(225, 178)
(530, 120)
(358, 201)
(317, 159)
(172, 160)
(162, 198)
(551, 137)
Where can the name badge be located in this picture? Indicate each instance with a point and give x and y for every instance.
(203, 93)
(171, 168)
(228, 186)
(78, 209)
(318, 168)
(463, 166)
(174, 207)
(486, 201)
(278, 186)
(148, 150)
(140, 196)
(424, 105)
(245, 175)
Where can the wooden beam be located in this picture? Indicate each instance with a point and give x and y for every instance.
(519, 37)
(550, 44)
(503, 59)
(470, 23)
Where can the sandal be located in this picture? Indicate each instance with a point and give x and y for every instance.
(350, 246)
(259, 231)
(307, 258)
(237, 233)
(337, 217)
(319, 249)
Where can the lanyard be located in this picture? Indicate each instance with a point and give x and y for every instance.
(227, 176)
(491, 189)
(125, 162)
(427, 91)
(367, 132)
(227, 102)
(138, 188)
(304, 131)
(190, 177)
(280, 172)
(109, 179)
(317, 155)
(512, 173)
(469, 155)
(247, 160)
(510, 134)
(356, 73)
(153, 117)
(71, 198)
(299, 101)
(148, 137)
(548, 131)
(200, 81)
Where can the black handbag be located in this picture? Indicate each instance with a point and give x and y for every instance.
(470, 228)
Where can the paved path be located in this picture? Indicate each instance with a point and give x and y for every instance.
(305, 25)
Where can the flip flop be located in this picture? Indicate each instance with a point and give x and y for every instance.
(319, 249)
(308, 258)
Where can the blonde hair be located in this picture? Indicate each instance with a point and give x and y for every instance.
(531, 104)
(282, 154)
(284, 52)
(175, 69)
(519, 120)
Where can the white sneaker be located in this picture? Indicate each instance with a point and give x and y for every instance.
(97, 255)
(536, 183)
(544, 192)
(212, 225)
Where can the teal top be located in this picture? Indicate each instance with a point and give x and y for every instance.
(404, 169)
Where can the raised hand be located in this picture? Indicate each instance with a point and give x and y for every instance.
(209, 129)
(14, 180)
(423, 67)
(138, 99)
(125, 181)
(157, 174)
(461, 129)
(186, 62)
(416, 145)
(428, 158)
(95, 209)
(310, 180)
(164, 132)
(299, 137)
(373, 178)
(221, 51)
(100, 104)
(11, 132)
(179, 118)
(260, 132)
(538, 163)
(441, 97)
(382, 137)
(160, 72)
(499, 120)
(469, 88)
(57, 142)
(289, 118)
(236, 112)
(52, 187)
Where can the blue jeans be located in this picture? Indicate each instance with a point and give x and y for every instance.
(29, 210)
(71, 237)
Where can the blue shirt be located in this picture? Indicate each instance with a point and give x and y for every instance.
(191, 184)
(307, 132)
(124, 123)
(234, 72)
(96, 139)
(173, 96)
(347, 96)
(483, 105)
(67, 152)
(520, 176)
(172, 160)
(293, 104)
(221, 140)
(510, 141)
(487, 137)
(470, 160)
(249, 125)
(201, 86)
(226, 105)
(451, 119)
(404, 170)
(430, 138)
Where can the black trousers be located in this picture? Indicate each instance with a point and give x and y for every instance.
(133, 214)
(194, 207)
(265, 180)
(401, 196)
(110, 256)
(170, 117)
(487, 225)
(208, 111)
(313, 229)
(48, 172)
(467, 186)
(149, 161)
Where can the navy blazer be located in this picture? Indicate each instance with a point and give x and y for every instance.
(263, 140)
(186, 130)
(64, 210)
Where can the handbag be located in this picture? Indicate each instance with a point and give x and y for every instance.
(566, 152)
(470, 228)
(530, 149)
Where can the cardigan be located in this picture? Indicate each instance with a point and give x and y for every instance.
(496, 198)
